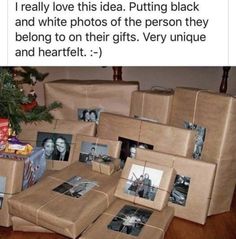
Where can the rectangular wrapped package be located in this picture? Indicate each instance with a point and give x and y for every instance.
(136, 133)
(53, 136)
(19, 224)
(89, 148)
(68, 201)
(154, 105)
(127, 220)
(11, 178)
(216, 113)
(92, 95)
(191, 192)
(145, 183)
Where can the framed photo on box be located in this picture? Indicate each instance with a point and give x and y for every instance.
(58, 147)
(89, 115)
(145, 184)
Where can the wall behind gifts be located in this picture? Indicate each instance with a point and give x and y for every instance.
(170, 77)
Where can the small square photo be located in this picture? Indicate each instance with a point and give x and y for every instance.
(143, 182)
(75, 187)
(130, 220)
(57, 146)
(89, 115)
(179, 192)
(91, 151)
(129, 147)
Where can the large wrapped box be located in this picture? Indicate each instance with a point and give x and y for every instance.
(11, 178)
(152, 105)
(217, 114)
(136, 133)
(88, 148)
(92, 95)
(19, 224)
(145, 183)
(126, 220)
(68, 201)
(58, 139)
(191, 193)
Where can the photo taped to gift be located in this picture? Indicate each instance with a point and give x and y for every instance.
(89, 115)
(199, 138)
(143, 182)
(179, 192)
(75, 187)
(130, 220)
(129, 147)
(2, 189)
(56, 145)
(90, 151)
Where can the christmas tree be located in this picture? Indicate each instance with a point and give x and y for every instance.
(16, 105)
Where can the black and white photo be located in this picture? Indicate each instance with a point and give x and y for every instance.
(179, 192)
(199, 138)
(56, 146)
(89, 115)
(2, 189)
(90, 151)
(130, 220)
(143, 182)
(75, 187)
(129, 147)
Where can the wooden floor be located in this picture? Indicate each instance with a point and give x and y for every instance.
(221, 226)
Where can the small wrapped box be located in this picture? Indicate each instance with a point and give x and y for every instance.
(152, 105)
(191, 192)
(68, 201)
(89, 96)
(217, 114)
(88, 148)
(135, 133)
(127, 220)
(11, 178)
(106, 165)
(145, 183)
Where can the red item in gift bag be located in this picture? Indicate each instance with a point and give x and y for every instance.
(3, 132)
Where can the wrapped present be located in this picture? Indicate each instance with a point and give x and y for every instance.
(3, 132)
(68, 201)
(152, 105)
(57, 139)
(125, 220)
(106, 165)
(19, 224)
(135, 133)
(11, 178)
(88, 148)
(191, 192)
(145, 183)
(216, 113)
(85, 99)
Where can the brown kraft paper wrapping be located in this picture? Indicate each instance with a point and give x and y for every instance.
(153, 105)
(11, 174)
(113, 146)
(109, 96)
(61, 213)
(19, 224)
(107, 168)
(155, 227)
(165, 184)
(164, 138)
(217, 113)
(201, 176)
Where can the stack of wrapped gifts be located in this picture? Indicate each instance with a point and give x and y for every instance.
(118, 162)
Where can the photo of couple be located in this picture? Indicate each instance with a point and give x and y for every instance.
(56, 146)
(143, 182)
(89, 115)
